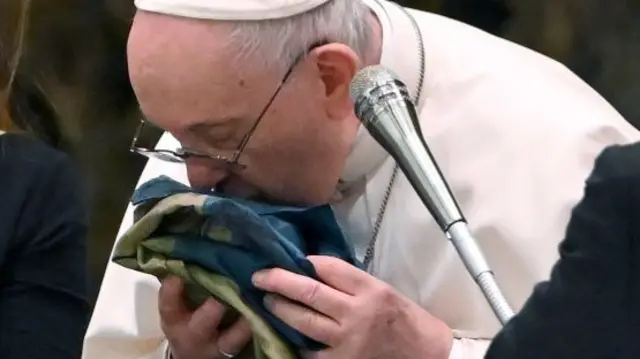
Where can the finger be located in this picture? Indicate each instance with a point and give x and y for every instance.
(171, 306)
(305, 290)
(339, 274)
(305, 320)
(205, 320)
(234, 339)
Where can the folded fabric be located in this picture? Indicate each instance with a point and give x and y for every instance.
(216, 243)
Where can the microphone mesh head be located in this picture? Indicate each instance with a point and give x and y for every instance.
(368, 78)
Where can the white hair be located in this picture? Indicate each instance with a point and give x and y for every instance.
(278, 43)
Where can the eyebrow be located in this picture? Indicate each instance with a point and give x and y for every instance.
(206, 124)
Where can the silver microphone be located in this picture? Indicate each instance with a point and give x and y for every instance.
(384, 106)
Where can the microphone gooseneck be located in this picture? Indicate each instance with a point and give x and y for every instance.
(384, 106)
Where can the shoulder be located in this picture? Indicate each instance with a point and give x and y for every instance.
(512, 86)
(37, 179)
(612, 189)
(618, 163)
(22, 154)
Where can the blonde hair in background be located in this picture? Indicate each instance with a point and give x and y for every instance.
(12, 35)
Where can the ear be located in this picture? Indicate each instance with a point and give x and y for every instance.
(337, 65)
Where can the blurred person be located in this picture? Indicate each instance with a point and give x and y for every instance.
(43, 276)
(33, 112)
(255, 99)
(589, 306)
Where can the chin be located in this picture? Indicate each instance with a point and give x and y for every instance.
(310, 199)
(286, 194)
(295, 200)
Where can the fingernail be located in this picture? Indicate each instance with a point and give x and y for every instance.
(268, 301)
(258, 278)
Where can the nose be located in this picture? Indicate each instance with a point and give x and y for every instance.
(204, 176)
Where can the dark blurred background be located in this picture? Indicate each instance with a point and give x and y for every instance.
(75, 57)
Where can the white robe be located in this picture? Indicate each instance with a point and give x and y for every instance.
(515, 134)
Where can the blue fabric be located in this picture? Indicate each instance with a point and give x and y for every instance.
(261, 236)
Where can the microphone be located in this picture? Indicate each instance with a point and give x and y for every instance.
(383, 104)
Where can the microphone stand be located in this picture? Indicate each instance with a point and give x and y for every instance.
(467, 247)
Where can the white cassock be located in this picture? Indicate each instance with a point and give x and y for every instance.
(515, 133)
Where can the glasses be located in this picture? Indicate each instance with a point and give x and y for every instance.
(181, 154)
(147, 135)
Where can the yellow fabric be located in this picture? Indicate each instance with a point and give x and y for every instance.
(138, 250)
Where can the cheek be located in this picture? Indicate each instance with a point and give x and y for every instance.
(299, 157)
(280, 171)
(308, 169)
(279, 161)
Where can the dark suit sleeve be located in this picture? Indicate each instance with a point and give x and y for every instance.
(582, 311)
(43, 304)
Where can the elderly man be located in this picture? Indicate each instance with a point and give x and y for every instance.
(256, 93)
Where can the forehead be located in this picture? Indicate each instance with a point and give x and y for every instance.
(184, 71)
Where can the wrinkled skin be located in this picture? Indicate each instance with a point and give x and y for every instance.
(208, 99)
(190, 84)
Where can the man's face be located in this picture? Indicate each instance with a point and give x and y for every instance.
(190, 83)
